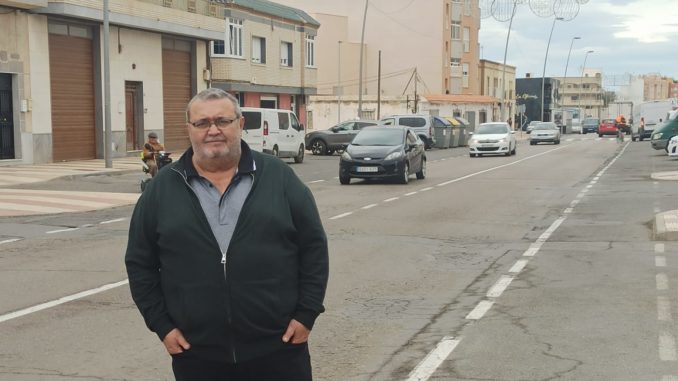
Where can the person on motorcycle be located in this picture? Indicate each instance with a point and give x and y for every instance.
(151, 148)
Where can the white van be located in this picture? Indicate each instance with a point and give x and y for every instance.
(277, 132)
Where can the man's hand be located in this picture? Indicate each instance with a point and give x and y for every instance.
(296, 333)
(175, 342)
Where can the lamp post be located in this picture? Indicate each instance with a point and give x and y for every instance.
(502, 107)
(568, 58)
(360, 70)
(543, 73)
(581, 79)
(339, 82)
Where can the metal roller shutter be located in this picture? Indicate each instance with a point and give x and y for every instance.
(72, 87)
(176, 84)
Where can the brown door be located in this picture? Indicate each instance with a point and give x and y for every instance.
(130, 118)
(72, 88)
(176, 84)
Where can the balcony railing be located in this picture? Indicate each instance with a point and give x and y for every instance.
(201, 7)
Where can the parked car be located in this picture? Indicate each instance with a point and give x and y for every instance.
(383, 152)
(531, 126)
(335, 138)
(607, 127)
(277, 132)
(421, 124)
(545, 132)
(590, 125)
(492, 138)
(665, 131)
(672, 146)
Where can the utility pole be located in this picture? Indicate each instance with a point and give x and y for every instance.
(379, 88)
(416, 97)
(339, 82)
(360, 75)
(108, 134)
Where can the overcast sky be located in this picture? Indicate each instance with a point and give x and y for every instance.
(627, 37)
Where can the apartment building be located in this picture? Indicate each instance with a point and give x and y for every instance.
(656, 87)
(585, 92)
(267, 56)
(438, 38)
(52, 74)
(499, 82)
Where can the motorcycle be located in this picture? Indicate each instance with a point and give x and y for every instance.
(161, 159)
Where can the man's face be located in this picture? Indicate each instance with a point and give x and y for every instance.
(215, 142)
(153, 140)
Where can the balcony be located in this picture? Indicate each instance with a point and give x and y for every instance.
(24, 4)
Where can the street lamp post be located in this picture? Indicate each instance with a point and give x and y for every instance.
(502, 106)
(568, 58)
(581, 78)
(360, 70)
(543, 73)
(339, 82)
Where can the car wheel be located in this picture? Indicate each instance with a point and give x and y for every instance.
(422, 173)
(344, 179)
(515, 147)
(558, 141)
(318, 147)
(405, 176)
(533, 143)
(472, 155)
(640, 138)
(275, 151)
(600, 135)
(300, 155)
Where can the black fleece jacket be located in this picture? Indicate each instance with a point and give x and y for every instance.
(276, 266)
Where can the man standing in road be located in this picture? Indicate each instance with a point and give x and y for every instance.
(227, 258)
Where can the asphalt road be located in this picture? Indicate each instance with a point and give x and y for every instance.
(532, 267)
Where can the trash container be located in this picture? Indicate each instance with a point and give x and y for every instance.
(454, 134)
(464, 129)
(442, 130)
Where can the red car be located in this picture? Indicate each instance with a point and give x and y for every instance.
(607, 127)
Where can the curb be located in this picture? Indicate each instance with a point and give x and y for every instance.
(666, 226)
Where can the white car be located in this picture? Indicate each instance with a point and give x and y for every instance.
(492, 139)
(545, 132)
(672, 147)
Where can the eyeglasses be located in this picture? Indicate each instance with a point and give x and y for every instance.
(203, 124)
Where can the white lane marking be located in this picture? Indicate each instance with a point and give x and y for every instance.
(500, 286)
(316, 181)
(568, 210)
(664, 309)
(531, 252)
(341, 216)
(411, 193)
(59, 301)
(518, 266)
(62, 230)
(662, 282)
(370, 206)
(574, 203)
(111, 221)
(589, 186)
(659, 247)
(667, 347)
(480, 310)
(391, 199)
(426, 189)
(10, 240)
(660, 261)
(433, 360)
(669, 378)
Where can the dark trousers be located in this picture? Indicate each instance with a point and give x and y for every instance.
(291, 363)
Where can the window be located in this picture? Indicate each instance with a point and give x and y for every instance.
(218, 48)
(467, 7)
(455, 61)
(234, 37)
(259, 50)
(295, 123)
(456, 30)
(310, 51)
(467, 34)
(283, 120)
(286, 54)
(464, 73)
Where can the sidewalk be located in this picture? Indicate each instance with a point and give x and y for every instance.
(23, 202)
(666, 223)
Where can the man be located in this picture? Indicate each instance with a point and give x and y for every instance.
(227, 257)
(150, 149)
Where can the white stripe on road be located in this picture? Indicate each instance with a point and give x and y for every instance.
(391, 199)
(112, 221)
(62, 230)
(480, 310)
(667, 347)
(316, 181)
(433, 360)
(658, 247)
(660, 261)
(518, 266)
(500, 286)
(370, 206)
(662, 282)
(664, 309)
(341, 216)
(10, 240)
(411, 193)
(65, 299)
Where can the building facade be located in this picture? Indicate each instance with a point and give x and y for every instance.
(656, 87)
(497, 81)
(585, 92)
(52, 74)
(528, 93)
(267, 55)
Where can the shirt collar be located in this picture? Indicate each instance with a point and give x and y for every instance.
(245, 165)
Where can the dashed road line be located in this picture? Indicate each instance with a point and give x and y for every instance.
(341, 216)
(667, 347)
(391, 199)
(480, 310)
(433, 360)
(370, 206)
(662, 282)
(664, 309)
(10, 240)
(62, 230)
(111, 221)
(500, 286)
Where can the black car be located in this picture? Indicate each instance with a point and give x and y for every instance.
(590, 125)
(336, 138)
(383, 152)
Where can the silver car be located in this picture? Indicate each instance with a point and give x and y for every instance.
(545, 132)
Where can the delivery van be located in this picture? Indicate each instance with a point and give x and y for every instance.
(273, 131)
(665, 131)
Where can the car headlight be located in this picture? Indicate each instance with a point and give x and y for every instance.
(346, 156)
(394, 155)
(657, 135)
(503, 140)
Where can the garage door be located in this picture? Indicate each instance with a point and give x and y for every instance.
(176, 84)
(72, 87)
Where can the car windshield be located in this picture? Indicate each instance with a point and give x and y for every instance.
(545, 126)
(379, 137)
(486, 129)
(590, 121)
(608, 121)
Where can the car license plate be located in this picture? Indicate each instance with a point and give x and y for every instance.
(367, 169)
(487, 145)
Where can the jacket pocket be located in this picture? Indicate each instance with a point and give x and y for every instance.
(201, 313)
(258, 309)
